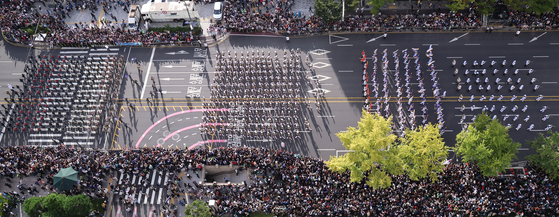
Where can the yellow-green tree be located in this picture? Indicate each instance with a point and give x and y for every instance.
(487, 143)
(423, 152)
(372, 145)
(547, 154)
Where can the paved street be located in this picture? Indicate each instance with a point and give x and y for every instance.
(336, 61)
(166, 111)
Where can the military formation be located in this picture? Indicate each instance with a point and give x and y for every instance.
(401, 89)
(65, 96)
(261, 95)
(515, 80)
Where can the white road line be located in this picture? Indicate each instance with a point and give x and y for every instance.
(153, 176)
(553, 43)
(430, 44)
(325, 116)
(6, 61)
(147, 74)
(549, 82)
(449, 131)
(322, 58)
(524, 149)
(516, 43)
(541, 56)
(472, 44)
(146, 197)
(185, 72)
(102, 54)
(496, 57)
(72, 48)
(159, 198)
(454, 57)
(17, 73)
(387, 45)
(345, 45)
(69, 52)
(345, 71)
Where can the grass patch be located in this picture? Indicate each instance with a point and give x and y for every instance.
(178, 29)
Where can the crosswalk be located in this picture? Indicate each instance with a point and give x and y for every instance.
(147, 195)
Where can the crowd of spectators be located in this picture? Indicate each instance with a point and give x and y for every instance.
(18, 14)
(239, 15)
(282, 182)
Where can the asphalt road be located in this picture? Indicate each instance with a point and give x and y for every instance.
(184, 75)
(336, 61)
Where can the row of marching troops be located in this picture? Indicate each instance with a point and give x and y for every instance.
(69, 94)
(257, 95)
(392, 80)
(503, 77)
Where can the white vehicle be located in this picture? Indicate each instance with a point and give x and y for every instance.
(218, 11)
(134, 17)
(168, 11)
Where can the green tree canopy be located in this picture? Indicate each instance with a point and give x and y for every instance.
(456, 5)
(423, 152)
(198, 208)
(32, 206)
(483, 7)
(79, 205)
(55, 205)
(371, 144)
(328, 10)
(537, 6)
(547, 154)
(487, 143)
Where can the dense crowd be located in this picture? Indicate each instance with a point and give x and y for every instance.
(287, 183)
(275, 17)
(239, 17)
(20, 14)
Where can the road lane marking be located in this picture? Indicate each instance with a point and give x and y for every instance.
(345, 71)
(516, 44)
(472, 44)
(540, 56)
(497, 57)
(345, 45)
(147, 74)
(387, 45)
(454, 57)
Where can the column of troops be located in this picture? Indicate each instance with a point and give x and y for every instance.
(391, 80)
(263, 94)
(64, 94)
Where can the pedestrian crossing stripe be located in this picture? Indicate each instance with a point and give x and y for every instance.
(148, 195)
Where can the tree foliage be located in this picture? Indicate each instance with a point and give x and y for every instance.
(328, 10)
(79, 205)
(537, 6)
(198, 208)
(423, 152)
(456, 5)
(483, 7)
(371, 144)
(54, 205)
(547, 154)
(487, 143)
(32, 206)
